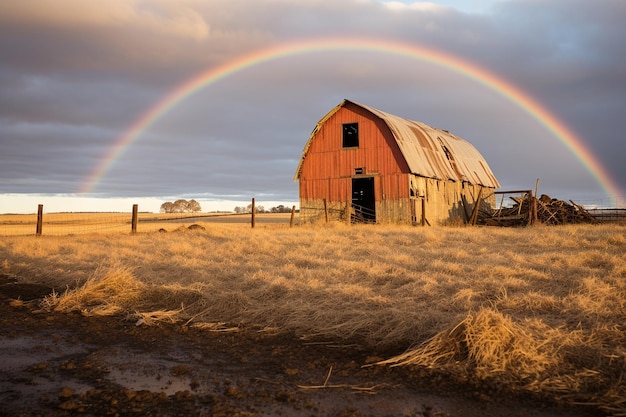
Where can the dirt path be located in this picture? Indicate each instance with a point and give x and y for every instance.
(66, 365)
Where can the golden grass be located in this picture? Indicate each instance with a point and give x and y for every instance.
(108, 291)
(59, 224)
(536, 310)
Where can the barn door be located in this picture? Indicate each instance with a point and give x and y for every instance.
(363, 200)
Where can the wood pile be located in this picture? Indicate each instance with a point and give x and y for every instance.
(553, 211)
(527, 210)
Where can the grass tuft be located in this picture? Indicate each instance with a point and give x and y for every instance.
(109, 291)
(485, 344)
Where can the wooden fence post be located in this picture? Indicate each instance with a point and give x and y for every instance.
(39, 219)
(534, 203)
(293, 214)
(253, 220)
(326, 211)
(134, 219)
(349, 207)
(530, 199)
(477, 207)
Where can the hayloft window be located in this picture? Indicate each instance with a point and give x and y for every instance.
(350, 135)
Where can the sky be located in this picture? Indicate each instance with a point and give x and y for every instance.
(79, 77)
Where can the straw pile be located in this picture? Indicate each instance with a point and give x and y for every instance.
(115, 290)
(487, 346)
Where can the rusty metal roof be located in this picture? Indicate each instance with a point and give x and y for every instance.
(429, 152)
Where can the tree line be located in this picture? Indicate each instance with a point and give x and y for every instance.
(181, 206)
(192, 206)
(260, 209)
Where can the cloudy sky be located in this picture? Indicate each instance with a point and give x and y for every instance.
(77, 75)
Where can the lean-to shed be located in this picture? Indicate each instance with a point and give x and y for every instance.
(368, 165)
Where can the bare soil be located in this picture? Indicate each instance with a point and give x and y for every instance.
(70, 365)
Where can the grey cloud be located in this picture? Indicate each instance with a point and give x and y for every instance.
(74, 82)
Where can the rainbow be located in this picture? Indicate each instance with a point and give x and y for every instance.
(309, 46)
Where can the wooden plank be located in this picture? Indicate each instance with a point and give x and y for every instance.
(545, 207)
(584, 212)
(476, 207)
(465, 207)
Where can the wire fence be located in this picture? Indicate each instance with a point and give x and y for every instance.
(63, 224)
(358, 214)
(80, 223)
(506, 199)
(612, 203)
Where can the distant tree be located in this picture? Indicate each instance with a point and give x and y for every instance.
(280, 209)
(257, 209)
(240, 210)
(167, 207)
(181, 206)
(193, 206)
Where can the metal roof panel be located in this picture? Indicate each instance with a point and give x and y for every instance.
(435, 153)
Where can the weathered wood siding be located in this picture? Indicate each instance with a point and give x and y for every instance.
(443, 200)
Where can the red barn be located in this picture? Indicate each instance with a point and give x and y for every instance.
(386, 169)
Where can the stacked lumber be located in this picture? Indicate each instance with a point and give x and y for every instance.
(528, 209)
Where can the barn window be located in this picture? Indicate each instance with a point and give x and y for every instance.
(350, 135)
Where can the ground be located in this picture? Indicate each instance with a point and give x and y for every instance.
(54, 364)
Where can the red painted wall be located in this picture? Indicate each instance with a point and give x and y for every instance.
(328, 168)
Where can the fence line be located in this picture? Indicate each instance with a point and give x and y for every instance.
(50, 224)
(58, 224)
(618, 202)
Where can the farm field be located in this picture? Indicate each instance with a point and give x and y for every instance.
(535, 314)
(58, 224)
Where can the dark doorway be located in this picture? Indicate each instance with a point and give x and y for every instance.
(363, 200)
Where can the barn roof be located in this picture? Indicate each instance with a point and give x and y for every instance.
(429, 152)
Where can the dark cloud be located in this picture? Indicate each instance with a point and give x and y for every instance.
(76, 75)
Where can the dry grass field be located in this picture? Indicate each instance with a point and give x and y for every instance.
(59, 224)
(538, 310)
